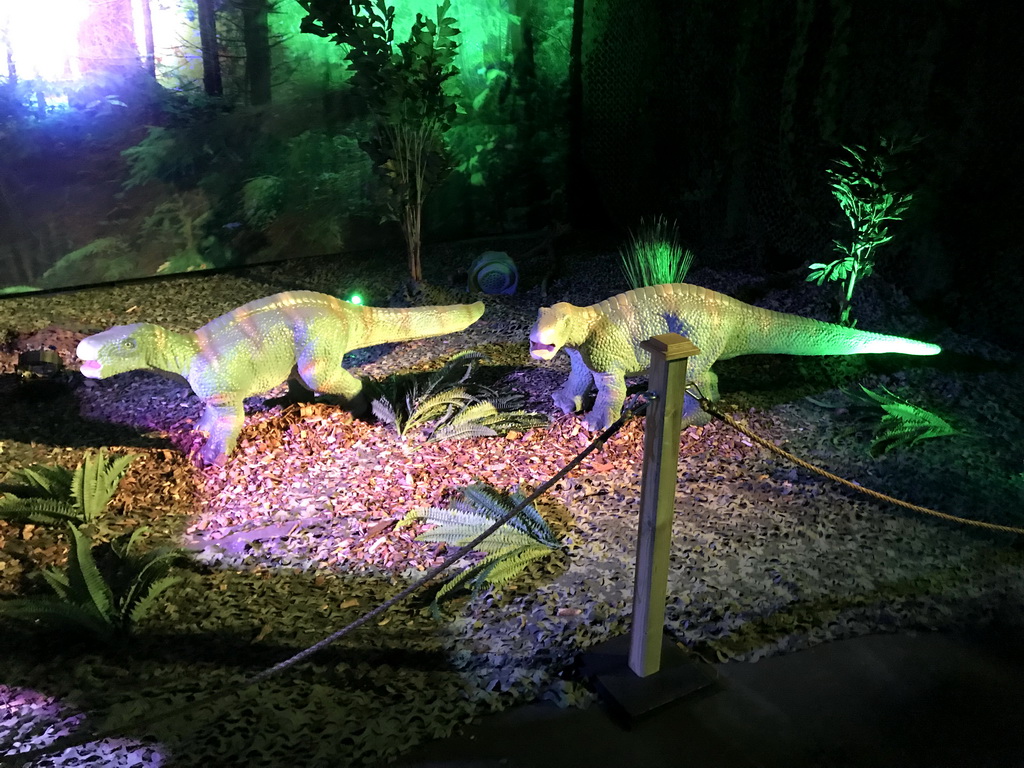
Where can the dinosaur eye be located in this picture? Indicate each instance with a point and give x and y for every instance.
(128, 344)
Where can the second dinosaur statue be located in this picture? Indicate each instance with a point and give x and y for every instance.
(603, 341)
(261, 344)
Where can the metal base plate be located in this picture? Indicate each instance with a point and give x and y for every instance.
(634, 697)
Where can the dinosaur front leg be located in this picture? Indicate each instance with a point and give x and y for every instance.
(611, 394)
(569, 398)
(223, 422)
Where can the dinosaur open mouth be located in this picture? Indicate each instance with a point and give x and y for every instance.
(540, 351)
(90, 368)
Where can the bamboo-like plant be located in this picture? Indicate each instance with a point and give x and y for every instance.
(52, 495)
(523, 539)
(406, 87)
(859, 184)
(654, 255)
(105, 590)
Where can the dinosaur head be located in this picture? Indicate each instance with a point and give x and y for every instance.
(551, 331)
(119, 349)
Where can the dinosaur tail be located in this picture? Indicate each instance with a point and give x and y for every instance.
(763, 331)
(383, 325)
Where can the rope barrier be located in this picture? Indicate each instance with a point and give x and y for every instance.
(221, 697)
(711, 409)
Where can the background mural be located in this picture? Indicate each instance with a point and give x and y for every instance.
(143, 137)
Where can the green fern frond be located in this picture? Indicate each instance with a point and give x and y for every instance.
(457, 370)
(39, 481)
(475, 412)
(58, 581)
(487, 418)
(142, 601)
(385, 413)
(494, 504)
(144, 571)
(459, 535)
(109, 594)
(509, 549)
(438, 406)
(903, 424)
(38, 511)
(501, 569)
(453, 584)
(87, 586)
(460, 431)
(448, 405)
(57, 613)
(95, 481)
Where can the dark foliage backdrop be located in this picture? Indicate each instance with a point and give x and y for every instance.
(726, 115)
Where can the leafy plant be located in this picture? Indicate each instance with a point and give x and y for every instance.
(447, 403)
(406, 89)
(902, 424)
(53, 495)
(104, 259)
(859, 184)
(106, 589)
(523, 539)
(655, 256)
(181, 223)
(497, 415)
(262, 198)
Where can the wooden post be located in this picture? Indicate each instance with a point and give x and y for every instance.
(667, 380)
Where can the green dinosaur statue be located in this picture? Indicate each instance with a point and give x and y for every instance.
(261, 344)
(603, 341)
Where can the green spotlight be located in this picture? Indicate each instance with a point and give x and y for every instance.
(355, 298)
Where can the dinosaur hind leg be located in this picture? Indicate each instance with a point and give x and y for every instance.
(693, 414)
(569, 397)
(223, 422)
(335, 380)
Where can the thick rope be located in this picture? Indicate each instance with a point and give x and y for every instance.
(221, 697)
(708, 406)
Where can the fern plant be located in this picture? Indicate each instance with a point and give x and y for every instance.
(52, 495)
(498, 415)
(448, 405)
(655, 256)
(106, 589)
(903, 424)
(523, 539)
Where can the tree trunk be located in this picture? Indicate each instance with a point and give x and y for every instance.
(256, 37)
(147, 28)
(212, 82)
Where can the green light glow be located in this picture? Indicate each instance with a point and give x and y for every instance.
(355, 298)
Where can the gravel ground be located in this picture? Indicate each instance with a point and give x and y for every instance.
(295, 537)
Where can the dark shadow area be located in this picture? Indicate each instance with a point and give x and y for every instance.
(48, 412)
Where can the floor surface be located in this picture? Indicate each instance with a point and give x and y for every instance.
(901, 701)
